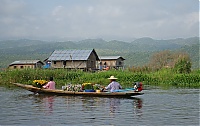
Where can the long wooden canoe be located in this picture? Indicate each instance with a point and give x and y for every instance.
(90, 94)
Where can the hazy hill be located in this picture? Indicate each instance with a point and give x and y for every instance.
(149, 44)
(136, 52)
(193, 51)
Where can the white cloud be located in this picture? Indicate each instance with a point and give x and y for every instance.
(111, 19)
(57, 10)
(90, 9)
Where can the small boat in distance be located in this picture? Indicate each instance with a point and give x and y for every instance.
(125, 94)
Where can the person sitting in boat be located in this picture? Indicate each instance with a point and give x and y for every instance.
(138, 86)
(50, 85)
(113, 84)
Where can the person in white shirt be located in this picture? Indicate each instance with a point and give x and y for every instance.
(113, 84)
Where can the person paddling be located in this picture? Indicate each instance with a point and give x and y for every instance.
(50, 85)
(113, 84)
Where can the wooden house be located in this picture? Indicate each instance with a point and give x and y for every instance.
(24, 64)
(109, 62)
(74, 59)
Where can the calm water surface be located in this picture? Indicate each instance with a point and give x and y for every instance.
(155, 107)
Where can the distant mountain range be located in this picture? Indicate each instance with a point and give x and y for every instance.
(136, 53)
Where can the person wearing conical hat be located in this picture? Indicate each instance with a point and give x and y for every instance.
(114, 85)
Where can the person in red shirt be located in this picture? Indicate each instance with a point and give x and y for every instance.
(50, 85)
(138, 86)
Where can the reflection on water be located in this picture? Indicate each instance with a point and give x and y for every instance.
(114, 104)
(41, 102)
(92, 104)
(48, 103)
(137, 103)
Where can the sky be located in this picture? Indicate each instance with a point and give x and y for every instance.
(92, 19)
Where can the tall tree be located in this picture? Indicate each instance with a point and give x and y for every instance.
(179, 61)
(183, 65)
(160, 59)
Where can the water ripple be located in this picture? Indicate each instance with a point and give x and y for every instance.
(155, 107)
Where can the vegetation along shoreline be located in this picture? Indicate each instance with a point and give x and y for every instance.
(163, 77)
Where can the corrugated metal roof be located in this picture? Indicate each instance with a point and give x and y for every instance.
(110, 57)
(25, 62)
(59, 55)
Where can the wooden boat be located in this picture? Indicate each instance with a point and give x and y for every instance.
(73, 93)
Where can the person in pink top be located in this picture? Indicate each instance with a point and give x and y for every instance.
(50, 85)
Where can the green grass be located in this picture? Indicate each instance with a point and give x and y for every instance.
(163, 78)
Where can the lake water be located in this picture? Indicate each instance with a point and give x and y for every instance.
(156, 107)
